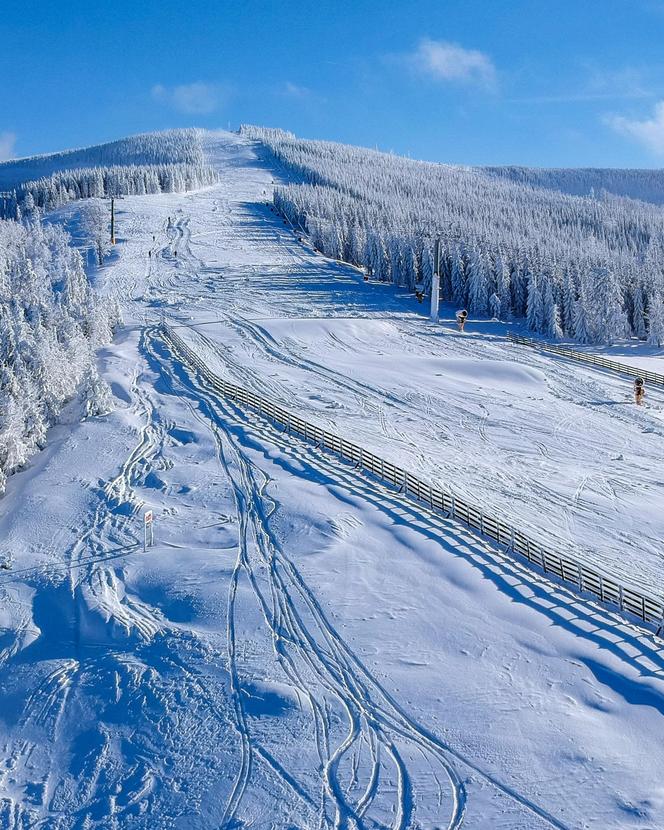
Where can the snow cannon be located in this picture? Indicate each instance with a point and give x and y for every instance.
(461, 317)
(639, 391)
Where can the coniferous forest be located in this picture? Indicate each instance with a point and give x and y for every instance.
(589, 267)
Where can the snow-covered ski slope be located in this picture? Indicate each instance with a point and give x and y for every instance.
(302, 648)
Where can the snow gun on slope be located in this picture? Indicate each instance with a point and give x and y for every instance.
(639, 391)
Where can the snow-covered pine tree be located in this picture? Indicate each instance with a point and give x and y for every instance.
(95, 222)
(580, 323)
(550, 313)
(611, 323)
(396, 261)
(535, 305)
(96, 395)
(503, 288)
(638, 311)
(656, 321)
(478, 284)
(410, 266)
(458, 277)
(567, 300)
(427, 267)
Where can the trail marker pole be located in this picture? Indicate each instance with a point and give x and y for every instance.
(148, 530)
(112, 221)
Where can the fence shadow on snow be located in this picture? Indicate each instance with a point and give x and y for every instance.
(602, 586)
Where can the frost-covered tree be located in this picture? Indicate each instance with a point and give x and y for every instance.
(95, 221)
(478, 284)
(567, 300)
(656, 321)
(551, 323)
(49, 192)
(611, 320)
(638, 312)
(394, 259)
(427, 267)
(96, 395)
(458, 278)
(503, 287)
(50, 323)
(535, 305)
(581, 325)
(410, 267)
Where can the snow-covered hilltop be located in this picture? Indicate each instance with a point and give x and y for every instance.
(303, 647)
(167, 162)
(168, 147)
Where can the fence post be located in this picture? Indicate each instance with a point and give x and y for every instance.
(453, 510)
(511, 539)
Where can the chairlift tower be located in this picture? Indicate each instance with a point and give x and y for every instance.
(435, 283)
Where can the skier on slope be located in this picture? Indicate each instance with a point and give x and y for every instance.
(461, 317)
(639, 391)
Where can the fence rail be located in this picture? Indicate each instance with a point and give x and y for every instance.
(601, 585)
(591, 359)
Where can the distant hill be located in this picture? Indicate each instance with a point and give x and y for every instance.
(168, 147)
(646, 185)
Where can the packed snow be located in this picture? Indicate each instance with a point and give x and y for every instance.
(302, 647)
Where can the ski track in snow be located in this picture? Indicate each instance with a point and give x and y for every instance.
(125, 714)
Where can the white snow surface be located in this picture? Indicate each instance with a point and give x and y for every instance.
(302, 648)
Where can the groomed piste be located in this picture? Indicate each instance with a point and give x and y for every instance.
(303, 647)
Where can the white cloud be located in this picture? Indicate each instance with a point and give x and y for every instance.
(445, 61)
(295, 90)
(198, 98)
(7, 144)
(650, 132)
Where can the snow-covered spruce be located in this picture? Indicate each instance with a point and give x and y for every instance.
(59, 188)
(588, 267)
(647, 185)
(167, 147)
(51, 321)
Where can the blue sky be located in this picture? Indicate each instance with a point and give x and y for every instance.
(555, 83)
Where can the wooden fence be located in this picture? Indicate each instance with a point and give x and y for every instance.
(591, 359)
(601, 585)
